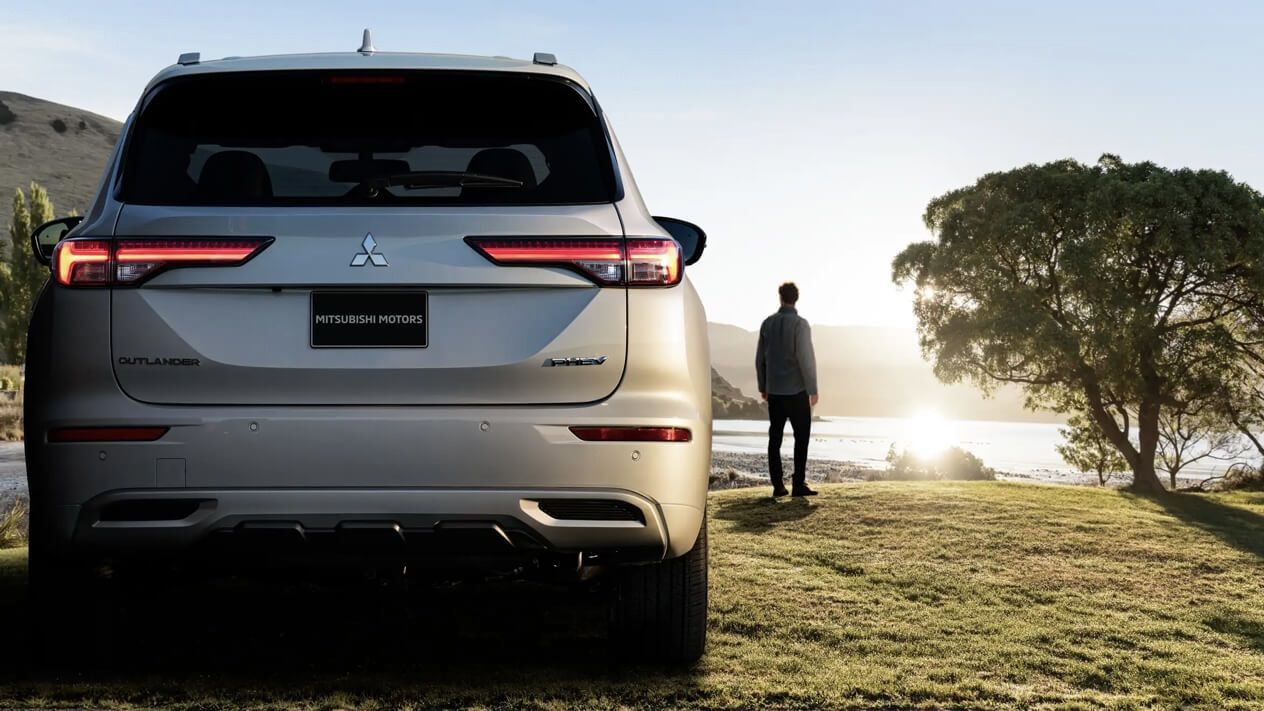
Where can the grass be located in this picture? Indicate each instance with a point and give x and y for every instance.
(894, 595)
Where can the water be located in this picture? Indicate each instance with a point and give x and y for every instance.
(1025, 449)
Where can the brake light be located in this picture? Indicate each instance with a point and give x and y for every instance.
(364, 79)
(83, 262)
(128, 262)
(106, 434)
(632, 434)
(653, 261)
(607, 261)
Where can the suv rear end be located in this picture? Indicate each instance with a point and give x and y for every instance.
(367, 307)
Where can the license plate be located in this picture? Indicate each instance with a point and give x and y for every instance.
(369, 319)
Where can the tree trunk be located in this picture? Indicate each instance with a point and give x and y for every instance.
(1144, 477)
(1141, 458)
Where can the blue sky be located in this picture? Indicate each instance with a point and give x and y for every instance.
(805, 137)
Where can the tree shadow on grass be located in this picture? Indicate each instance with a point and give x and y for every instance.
(229, 642)
(1241, 528)
(1235, 622)
(762, 514)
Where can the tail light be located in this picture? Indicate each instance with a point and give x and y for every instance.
(632, 434)
(607, 261)
(128, 261)
(82, 262)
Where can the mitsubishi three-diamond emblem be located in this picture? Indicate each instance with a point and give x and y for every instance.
(369, 253)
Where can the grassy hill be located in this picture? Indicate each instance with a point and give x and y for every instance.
(61, 147)
(965, 595)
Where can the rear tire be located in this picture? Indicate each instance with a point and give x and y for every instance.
(62, 595)
(660, 609)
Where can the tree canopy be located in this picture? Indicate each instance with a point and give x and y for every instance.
(21, 276)
(1119, 291)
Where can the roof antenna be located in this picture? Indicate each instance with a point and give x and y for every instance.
(366, 46)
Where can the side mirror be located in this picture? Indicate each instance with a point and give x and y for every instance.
(45, 237)
(690, 236)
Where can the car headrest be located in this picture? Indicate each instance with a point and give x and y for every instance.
(234, 175)
(359, 171)
(503, 163)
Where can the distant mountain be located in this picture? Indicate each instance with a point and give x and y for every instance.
(60, 147)
(868, 371)
(727, 402)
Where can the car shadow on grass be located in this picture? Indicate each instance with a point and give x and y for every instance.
(761, 514)
(232, 641)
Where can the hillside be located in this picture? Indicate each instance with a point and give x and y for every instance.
(869, 371)
(731, 403)
(901, 595)
(61, 147)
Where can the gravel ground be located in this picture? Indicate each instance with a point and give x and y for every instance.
(12, 473)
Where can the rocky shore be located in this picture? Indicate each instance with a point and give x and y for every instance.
(736, 470)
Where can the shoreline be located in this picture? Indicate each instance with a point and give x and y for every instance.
(736, 470)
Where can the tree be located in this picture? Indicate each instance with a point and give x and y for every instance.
(22, 277)
(1109, 291)
(1087, 449)
(1189, 435)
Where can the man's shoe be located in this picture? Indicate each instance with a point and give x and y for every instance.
(779, 491)
(803, 491)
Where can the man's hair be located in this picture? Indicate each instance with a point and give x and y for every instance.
(789, 293)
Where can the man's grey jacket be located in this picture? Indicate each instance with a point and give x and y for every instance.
(784, 360)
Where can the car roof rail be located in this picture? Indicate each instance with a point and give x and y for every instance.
(189, 58)
(544, 58)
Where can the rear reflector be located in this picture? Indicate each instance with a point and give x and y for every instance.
(607, 261)
(128, 262)
(632, 434)
(106, 434)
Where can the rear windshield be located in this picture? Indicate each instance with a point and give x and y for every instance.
(336, 138)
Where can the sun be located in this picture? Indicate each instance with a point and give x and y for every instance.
(927, 434)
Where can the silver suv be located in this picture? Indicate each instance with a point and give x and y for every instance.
(377, 308)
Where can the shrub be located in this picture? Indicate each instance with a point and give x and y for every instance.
(6, 114)
(952, 464)
(10, 403)
(13, 524)
(58, 125)
(1241, 478)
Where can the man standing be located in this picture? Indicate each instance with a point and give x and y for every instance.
(786, 367)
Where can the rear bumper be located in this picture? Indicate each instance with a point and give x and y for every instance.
(622, 526)
(316, 469)
(409, 464)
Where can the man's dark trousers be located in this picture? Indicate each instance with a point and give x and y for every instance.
(798, 410)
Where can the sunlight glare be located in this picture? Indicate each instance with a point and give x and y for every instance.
(927, 434)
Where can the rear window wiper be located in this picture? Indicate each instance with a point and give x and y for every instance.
(442, 179)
